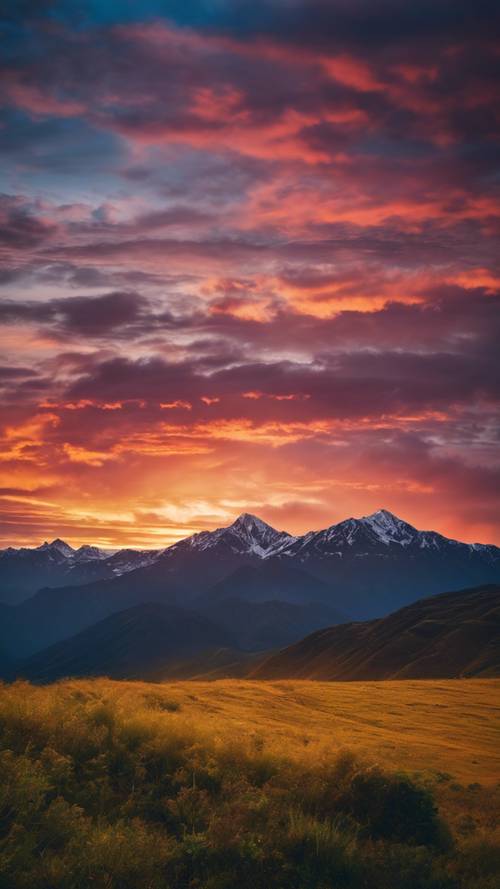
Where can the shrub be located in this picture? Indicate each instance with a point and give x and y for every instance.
(392, 807)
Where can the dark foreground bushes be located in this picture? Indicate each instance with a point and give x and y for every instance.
(92, 795)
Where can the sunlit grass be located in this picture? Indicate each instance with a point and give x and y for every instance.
(442, 726)
(122, 785)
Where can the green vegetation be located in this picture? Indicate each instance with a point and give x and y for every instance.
(95, 792)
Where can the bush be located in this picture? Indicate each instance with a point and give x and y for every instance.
(392, 807)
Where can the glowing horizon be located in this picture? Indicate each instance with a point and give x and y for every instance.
(174, 535)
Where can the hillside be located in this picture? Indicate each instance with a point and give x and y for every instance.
(139, 642)
(445, 636)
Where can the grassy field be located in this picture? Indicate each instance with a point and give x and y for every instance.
(448, 726)
(279, 785)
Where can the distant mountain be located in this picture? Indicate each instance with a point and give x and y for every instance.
(257, 626)
(269, 579)
(445, 636)
(53, 614)
(247, 535)
(139, 643)
(379, 562)
(24, 571)
(370, 565)
(204, 559)
(361, 568)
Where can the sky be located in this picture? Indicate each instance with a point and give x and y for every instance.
(249, 261)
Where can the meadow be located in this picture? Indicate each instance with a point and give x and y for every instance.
(279, 785)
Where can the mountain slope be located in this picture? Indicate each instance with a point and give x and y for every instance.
(140, 642)
(445, 636)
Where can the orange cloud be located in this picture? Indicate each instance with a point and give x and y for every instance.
(173, 405)
(292, 396)
(79, 454)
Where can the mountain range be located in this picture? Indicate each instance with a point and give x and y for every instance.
(24, 571)
(264, 589)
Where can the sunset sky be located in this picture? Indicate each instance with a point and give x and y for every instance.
(249, 262)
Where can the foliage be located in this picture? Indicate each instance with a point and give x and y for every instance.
(96, 793)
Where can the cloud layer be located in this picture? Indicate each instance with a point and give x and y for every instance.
(249, 261)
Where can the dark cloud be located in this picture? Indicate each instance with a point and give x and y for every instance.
(85, 315)
(15, 373)
(20, 228)
(340, 386)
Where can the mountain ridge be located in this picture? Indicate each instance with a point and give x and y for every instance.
(386, 527)
(364, 568)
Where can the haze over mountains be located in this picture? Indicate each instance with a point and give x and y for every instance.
(261, 588)
(446, 636)
(139, 643)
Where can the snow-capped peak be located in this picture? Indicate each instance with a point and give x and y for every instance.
(257, 536)
(384, 517)
(59, 546)
(388, 528)
(247, 523)
(246, 535)
(85, 553)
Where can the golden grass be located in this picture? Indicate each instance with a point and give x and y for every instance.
(445, 726)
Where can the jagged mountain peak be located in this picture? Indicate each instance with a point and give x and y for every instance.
(389, 528)
(86, 552)
(246, 518)
(260, 537)
(248, 534)
(380, 529)
(384, 517)
(59, 546)
(252, 524)
(381, 525)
